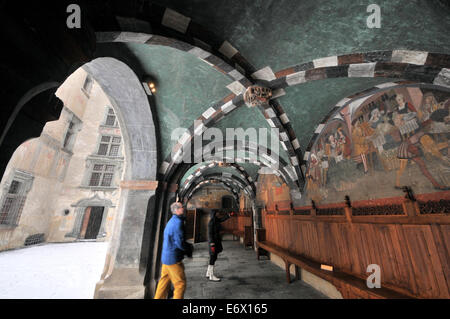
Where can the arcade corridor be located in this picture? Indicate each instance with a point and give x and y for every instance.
(321, 128)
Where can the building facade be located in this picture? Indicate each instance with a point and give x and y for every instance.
(64, 185)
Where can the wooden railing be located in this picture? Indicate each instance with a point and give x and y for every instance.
(408, 238)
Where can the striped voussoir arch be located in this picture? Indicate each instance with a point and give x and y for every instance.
(236, 183)
(249, 187)
(177, 25)
(356, 100)
(208, 165)
(151, 39)
(210, 117)
(261, 155)
(285, 173)
(417, 66)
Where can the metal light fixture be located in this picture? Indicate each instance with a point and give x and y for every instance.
(152, 87)
(149, 85)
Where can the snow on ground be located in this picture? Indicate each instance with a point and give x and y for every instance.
(52, 271)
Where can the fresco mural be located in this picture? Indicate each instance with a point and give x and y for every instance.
(377, 144)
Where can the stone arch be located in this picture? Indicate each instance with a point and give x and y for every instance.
(151, 39)
(123, 274)
(238, 168)
(285, 170)
(243, 185)
(410, 65)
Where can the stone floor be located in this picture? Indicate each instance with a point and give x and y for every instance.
(243, 276)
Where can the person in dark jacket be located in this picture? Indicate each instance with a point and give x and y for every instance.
(215, 242)
(174, 249)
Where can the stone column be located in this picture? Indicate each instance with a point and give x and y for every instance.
(126, 261)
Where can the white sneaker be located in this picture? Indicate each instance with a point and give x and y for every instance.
(208, 272)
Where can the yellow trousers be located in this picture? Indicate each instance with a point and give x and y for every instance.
(175, 274)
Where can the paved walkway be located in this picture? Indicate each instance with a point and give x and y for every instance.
(243, 276)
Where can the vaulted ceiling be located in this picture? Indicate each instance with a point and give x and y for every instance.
(277, 34)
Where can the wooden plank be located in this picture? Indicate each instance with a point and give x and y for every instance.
(407, 264)
(342, 278)
(439, 234)
(433, 243)
(422, 264)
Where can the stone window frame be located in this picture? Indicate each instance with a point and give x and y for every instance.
(73, 125)
(87, 85)
(108, 113)
(26, 181)
(102, 171)
(91, 162)
(110, 143)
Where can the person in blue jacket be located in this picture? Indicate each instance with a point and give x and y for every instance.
(174, 249)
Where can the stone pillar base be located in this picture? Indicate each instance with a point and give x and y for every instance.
(125, 283)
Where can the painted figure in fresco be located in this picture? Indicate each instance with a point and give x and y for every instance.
(331, 147)
(378, 137)
(405, 115)
(361, 143)
(322, 162)
(375, 118)
(313, 179)
(427, 106)
(314, 168)
(431, 120)
(407, 122)
(337, 146)
(344, 143)
(405, 119)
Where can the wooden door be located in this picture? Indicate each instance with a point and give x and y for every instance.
(95, 221)
(87, 214)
